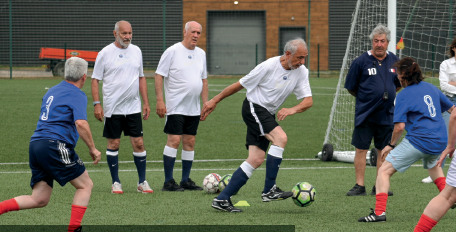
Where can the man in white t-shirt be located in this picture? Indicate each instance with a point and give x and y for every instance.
(268, 85)
(183, 67)
(120, 66)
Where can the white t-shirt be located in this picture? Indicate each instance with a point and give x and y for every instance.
(119, 69)
(269, 84)
(184, 71)
(447, 74)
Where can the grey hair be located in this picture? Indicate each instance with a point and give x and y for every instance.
(187, 25)
(116, 27)
(75, 68)
(380, 29)
(292, 45)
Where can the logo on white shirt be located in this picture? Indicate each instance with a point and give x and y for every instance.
(190, 57)
(285, 77)
(120, 55)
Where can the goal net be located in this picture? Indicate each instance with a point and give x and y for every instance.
(426, 29)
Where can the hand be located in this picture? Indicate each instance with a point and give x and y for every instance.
(161, 109)
(447, 151)
(385, 152)
(98, 111)
(284, 112)
(146, 111)
(208, 107)
(96, 155)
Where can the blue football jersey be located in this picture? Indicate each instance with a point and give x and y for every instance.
(420, 107)
(62, 105)
(370, 79)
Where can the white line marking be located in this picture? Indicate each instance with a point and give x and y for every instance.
(177, 161)
(205, 169)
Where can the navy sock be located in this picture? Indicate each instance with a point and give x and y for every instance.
(140, 162)
(186, 167)
(238, 180)
(272, 168)
(113, 163)
(168, 163)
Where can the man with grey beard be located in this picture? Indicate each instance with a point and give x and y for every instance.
(120, 66)
(267, 85)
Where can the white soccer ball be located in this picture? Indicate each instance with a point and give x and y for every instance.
(211, 183)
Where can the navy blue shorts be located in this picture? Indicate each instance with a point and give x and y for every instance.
(363, 134)
(259, 122)
(53, 160)
(177, 124)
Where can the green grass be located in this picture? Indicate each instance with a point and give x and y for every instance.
(221, 136)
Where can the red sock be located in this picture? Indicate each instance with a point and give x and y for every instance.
(77, 213)
(380, 204)
(8, 205)
(425, 224)
(440, 182)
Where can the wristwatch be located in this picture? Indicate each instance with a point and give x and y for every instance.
(391, 145)
(96, 102)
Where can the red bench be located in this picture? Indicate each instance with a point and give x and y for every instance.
(57, 57)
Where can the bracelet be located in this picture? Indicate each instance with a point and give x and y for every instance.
(391, 145)
(96, 102)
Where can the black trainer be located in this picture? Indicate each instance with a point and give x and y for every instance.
(374, 192)
(275, 194)
(225, 205)
(79, 229)
(171, 185)
(190, 185)
(372, 217)
(357, 190)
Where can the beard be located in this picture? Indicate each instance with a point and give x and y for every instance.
(125, 42)
(291, 66)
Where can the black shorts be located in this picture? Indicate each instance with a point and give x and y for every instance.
(53, 160)
(362, 135)
(259, 122)
(130, 124)
(177, 124)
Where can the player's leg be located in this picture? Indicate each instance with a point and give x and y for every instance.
(174, 130)
(112, 131)
(239, 179)
(190, 129)
(133, 128)
(399, 159)
(382, 136)
(436, 172)
(438, 206)
(112, 158)
(243, 173)
(436, 209)
(84, 186)
(361, 140)
(279, 139)
(188, 155)
(41, 182)
(40, 197)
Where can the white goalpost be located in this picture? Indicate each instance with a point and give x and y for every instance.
(424, 26)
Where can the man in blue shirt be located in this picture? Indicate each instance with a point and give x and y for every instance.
(374, 83)
(62, 120)
(418, 110)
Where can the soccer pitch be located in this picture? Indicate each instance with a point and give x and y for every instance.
(219, 148)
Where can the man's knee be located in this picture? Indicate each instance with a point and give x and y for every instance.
(189, 142)
(173, 141)
(113, 144)
(138, 143)
(41, 201)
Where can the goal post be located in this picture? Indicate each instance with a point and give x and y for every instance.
(424, 26)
